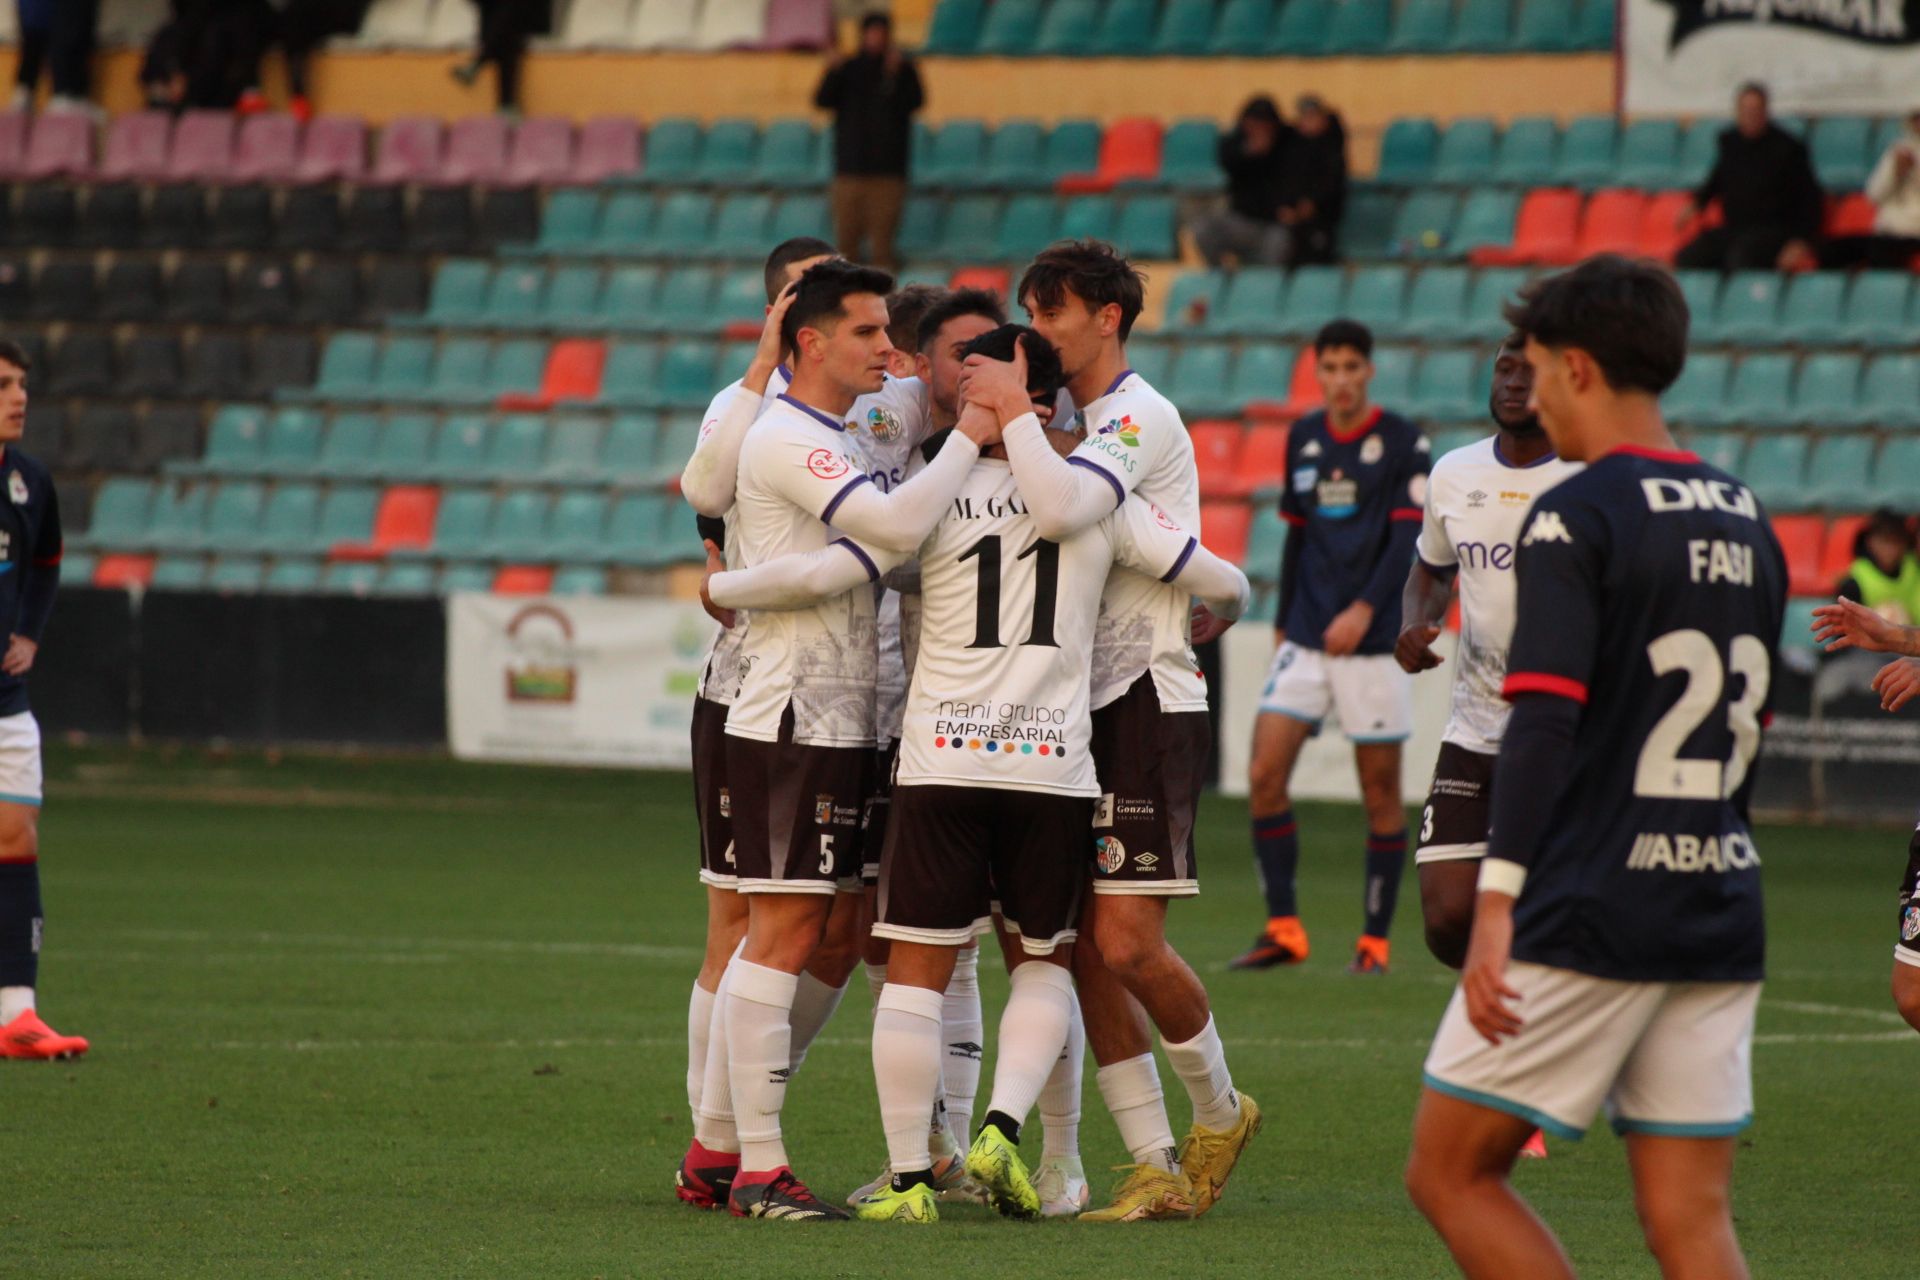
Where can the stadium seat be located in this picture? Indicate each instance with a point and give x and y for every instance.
(476, 151)
(1448, 386)
(672, 152)
(178, 573)
(276, 363)
(1660, 234)
(1842, 154)
(1826, 392)
(1545, 26)
(131, 290)
(632, 375)
(406, 446)
(687, 373)
(1151, 359)
(169, 434)
(459, 449)
(1611, 222)
(1589, 144)
(730, 24)
(800, 24)
(1701, 390)
(113, 216)
(404, 369)
(1422, 227)
(1543, 231)
(972, 226)
(1896, 481)
(523, 580)
(292, 446)
(233, 516)
(579, 580)
(681, 225)
(1850, 215)
(684, 301)
(1487, 220)
(633, 528)
(1016, 157)
(956, 26)
(1260, 374)
(1129, 152)
(442, 221)
(202, 147)
(627, 456)
(176, 218)
(1067, 28)
(1876, 308)
(405, 578)
(727, 152)
(1242, 28)
(596, 24)
(1251, 302)
(1482, 26)
(403, 519)
(1366, 224)
(1393, 368)
(609, 148)
(1466, 152)
(149, 366)
(1125, 30)
(1198, 381)
(46, 216)
(541, 153)
(1072, 147)
(1191, 299)
(179, 517)
(1263, 459)
(236, 441)
(1649, 150)
(60, 145)
(572, 451)
(460, 527)
(1760, 392)
(1812, 309)
(789, 155)
(353, 578)
(1421, 26)
(1186, 28)
(1377, 297)
(1839, 472)
(332, 149)
(1226, 525)
(1146, 228)
(409, 149)
(375, 221)
(1723, 449)
(1436, 305)
(237, 574)
(621, 226)
(1890, 391)
(136, 147)
(739, 227)
(65, 291)
(1528, 152)
(515, 298)
(1407, 152)
(349, 448)
(121, 512)
(679, 432)
(1010, 29)
(1698, 147)
(800, 215)
(310, 218)
(517, 526)
(1301, 29)
(1594, 25)
(1080, 218)
(573, 371)
(263, 293)
(1748, 309)
(1801, 540)
(1358, 27)
(459, 295)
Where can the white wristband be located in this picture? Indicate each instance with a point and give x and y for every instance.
(1501, 876)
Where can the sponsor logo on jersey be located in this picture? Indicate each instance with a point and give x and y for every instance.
(1109, 855)
(1146, 861)
(826, 464)
(1338, 495)
(1547, 527)
(1372, 450)
(1485, 555)
(883, 422)
(1303, 479)
(1123, 429)
(1514, 498)
(1658, 851)
(1103, 811)
(1664, 495)
(823, 810)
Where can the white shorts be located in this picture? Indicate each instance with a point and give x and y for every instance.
(1371, 695)
(1672, 1059)
(20, 759)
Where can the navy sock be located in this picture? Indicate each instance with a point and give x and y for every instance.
(19, 923)
(1276, 848)
(1386, 857)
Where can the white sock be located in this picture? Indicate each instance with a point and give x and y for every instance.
(713, 1126)
(14, 1001)
(699, 1032)
(813, 1004)
(1132, 1092)
(759, 1048)
(906, 1071)
(1033, 1027)
(962, 1031)
(1201, 1064)
(876, 979)
(1060, 1099)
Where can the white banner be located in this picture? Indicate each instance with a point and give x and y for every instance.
(573, 680)
(1686, 57)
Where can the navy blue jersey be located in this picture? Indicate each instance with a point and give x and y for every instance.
(1354, 503)
(1651, 591)
(30, 546)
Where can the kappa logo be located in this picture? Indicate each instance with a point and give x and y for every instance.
(1311, 449)
(826, 464)
(1123, 429)
(1477, 499)
(966, 1049)
(1109, 855)
(1547, 527)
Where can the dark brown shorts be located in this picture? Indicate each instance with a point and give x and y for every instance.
(952, 852)
(799, 813)
(1152, 766)
(1453, 826)
(879, 809)
(711, 800)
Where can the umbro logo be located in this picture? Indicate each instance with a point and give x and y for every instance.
(1477, 499)
(966, 1049)
(1547, 527)
(779, 1075)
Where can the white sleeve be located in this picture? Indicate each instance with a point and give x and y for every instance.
(711, 473)
(1063, 495)
(1434, 546)
(1150, 541)
(1880, 181)
(801, 578)
(900, 521)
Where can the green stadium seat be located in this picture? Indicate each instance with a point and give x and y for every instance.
(632, 375)
(178, 573)
(405, 578)
(630, 448)
(1890, 130)
(1761, 391)
(1876, 309)
(1251, 302)
(633, 529)
(740, 227)
(955, 26)
(348, 577)
(1492, 289)
(1649, 154)
(1466, 153)
(1186, 29)
(465, 577)
(1067, 30)
(1827, 391)
(1261, 374)
(572, 297)
(1314, 296)
(406, 446)
(346, 369)
(1482, 26)
(1027, 228)
(122, 510)
(1422, 26)
(517, 528)
(683, 302)
(460, 527)
(1812, 310)
(1015, 157)
(349, 446)
(1449, 439)
(1377, 298)
(290, 521)
(1890, 391)
(236, 441)
(788, 155)
(679, 536)
(629, 300)
(572, 451)
(1775, 470)
(575, 525)
(1150, 357)
(1358, 27)
(681, 226)
(459, 373)
(678, 435)
(1723, 449)
(920, 225)
(1421, 228)
(1842, 151)
(1242, 29)
(1436, 304)
(568, 223)
(952, 154)
(1408, 152)
(971, 229)
(293, 443)
(515, 298)
(1198, 382)
(1191, 300)
(799, 215)
(1392, 375)
(458, 298)
(626, 222)
(1301, 29)
(687, 376)
(1366, 225)
(1081, 217)
(1701, 390)
(1011, 28)
(740, 299)
(1448, 387)
(728, 152)
(1545, 26)
(232, 515)
(1589, 147)
(1896, 480)
(1593, 26)
(672, 152)
(1072, 147)
(236, 574)
(1125, 30)
(579, 580)
(292, 576)
(1266, 543)
(516, 447)
(347, 514)
(405, 367)
(1698, 147)
(1748, 310)
(1840, 471)
(1528, 150)
(459, 449)
(1701, 289)
(179, 517)
(1489, 218)
(1146, 228)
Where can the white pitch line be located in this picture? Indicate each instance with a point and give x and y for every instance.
(375, 943)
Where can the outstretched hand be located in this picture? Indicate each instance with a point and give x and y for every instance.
(1897, 682)
(1848, 624)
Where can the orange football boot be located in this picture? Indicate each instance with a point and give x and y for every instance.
(27, 1037)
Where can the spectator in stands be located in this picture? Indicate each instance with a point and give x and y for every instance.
(1313, 188)
(1253, 156)
(305, 25)
(207, 55)
(1894, 188)
(873, 95)
(1763, 178)
(35, 21)
(1885, 575)
(505, 28)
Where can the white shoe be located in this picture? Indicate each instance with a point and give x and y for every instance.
(881, 1181)
(1062, 1185)
(950, 1180)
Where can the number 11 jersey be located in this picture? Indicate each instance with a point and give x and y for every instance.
(1651, 591)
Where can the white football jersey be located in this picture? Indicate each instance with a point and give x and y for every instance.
(796, 466)
(1000, 681)
(721, 672)
(1476, 502)
(1137, 442)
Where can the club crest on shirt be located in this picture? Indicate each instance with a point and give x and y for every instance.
(826, 464)
(1311, 449)
(1164, 520)
(1910, 924)
(1372, 450)
(1123, 429)
(883, 422)
(17, 488)
(822, 810)
(1109, 855)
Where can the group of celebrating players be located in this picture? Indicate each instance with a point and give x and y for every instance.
(954, 694)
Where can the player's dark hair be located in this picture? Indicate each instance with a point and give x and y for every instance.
(820, 296)
(1344, 333)
(905, 307)
(16, 355)
(788, 252)
(1629, 316)
(1045, 377)
(959, 302)
(1092, 271)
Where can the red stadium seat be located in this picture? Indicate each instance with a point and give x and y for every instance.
(523, 580)
(1838, 557)
(1660, 237)
(1224, 527)
(1263, 459)
(1543, 234)
(335, 148)
(1850, 216)
(1130, 150)
(1801, 538)
(137, 147)
(13, 142)
(798, 24)
(542, 154)
(995, 280)
(266, 150)
(1216, 449)
(1611, 223)
(476, 152)
(411, 149)
(609, 148)
(405, 519)
(123, 571)
(1303, 393)
(574, 366)
(202, 148)
(60, 145)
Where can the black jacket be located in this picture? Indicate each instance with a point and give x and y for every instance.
(1316, 170)
(873, 114)
(1253, 181)
(1765, 182)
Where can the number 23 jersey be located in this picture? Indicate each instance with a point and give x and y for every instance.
(1651, 591)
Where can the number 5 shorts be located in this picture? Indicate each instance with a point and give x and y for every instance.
(799, 813)
(1369, 692)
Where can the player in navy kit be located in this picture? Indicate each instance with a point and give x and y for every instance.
(1356, 483)
(1618, 941)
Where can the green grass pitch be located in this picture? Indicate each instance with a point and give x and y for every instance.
(395, 1019)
